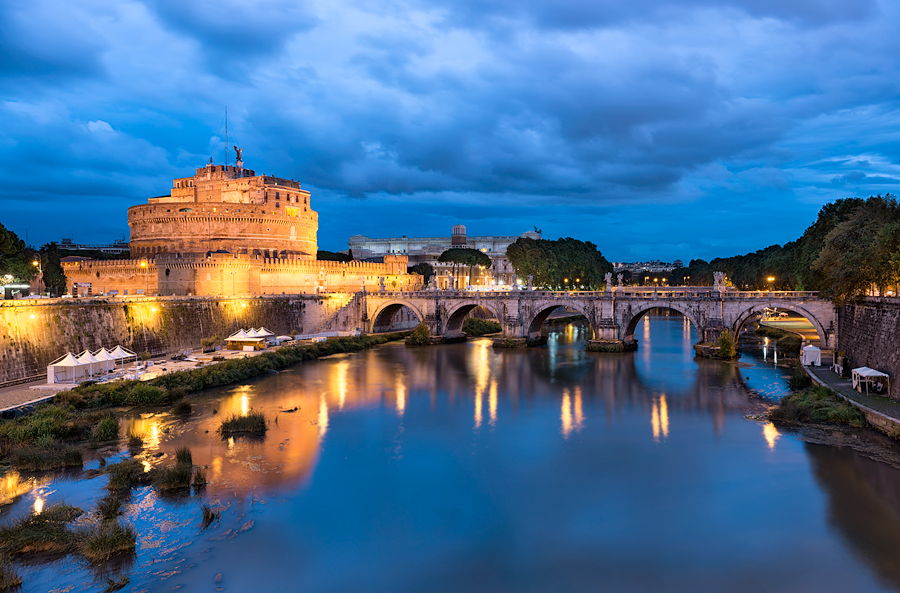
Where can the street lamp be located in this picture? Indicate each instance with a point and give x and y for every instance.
(38, 263)
(771, 279)
(146, 277)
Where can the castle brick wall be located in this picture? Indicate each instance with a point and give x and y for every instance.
(869, 334)
(34, 333)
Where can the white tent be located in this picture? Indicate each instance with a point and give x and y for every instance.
(239, 335)
(811, 355)
(263, 332)
(107, 360)
(65, 370)
(87, 358)
(253, 333)
(870, 377)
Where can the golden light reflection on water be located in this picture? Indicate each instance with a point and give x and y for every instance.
(38, 505)
(659, 418)
(14, 485)
(579, 414)
(771, 434)
(400, 388)
(565, 414)
(482, 371)
(478, 406)
(147, 427)
(341, 382)
(322, 421)
(492, 403)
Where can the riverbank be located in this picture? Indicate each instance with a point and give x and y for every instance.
(54, 434)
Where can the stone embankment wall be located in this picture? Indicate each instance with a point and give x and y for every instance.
(34, 333)
(869, 334)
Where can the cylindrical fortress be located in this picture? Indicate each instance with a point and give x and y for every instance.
(227, 208)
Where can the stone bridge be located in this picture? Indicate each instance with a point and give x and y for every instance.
(612, 315)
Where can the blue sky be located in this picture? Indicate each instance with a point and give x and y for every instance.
(667, 130)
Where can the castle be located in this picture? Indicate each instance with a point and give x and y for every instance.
(228, 231)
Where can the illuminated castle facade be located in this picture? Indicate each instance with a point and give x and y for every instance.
(227, 231)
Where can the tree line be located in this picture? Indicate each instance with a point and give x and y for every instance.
(559, 265)
(851, 248)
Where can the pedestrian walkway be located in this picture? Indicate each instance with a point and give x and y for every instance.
(884, 408)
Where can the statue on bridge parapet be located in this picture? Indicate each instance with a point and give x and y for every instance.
(530, 282)
(608, 277)
(515, 282)
(381, 284)
(719, 281)
(620, 286)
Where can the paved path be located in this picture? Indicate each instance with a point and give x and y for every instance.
(844, 387)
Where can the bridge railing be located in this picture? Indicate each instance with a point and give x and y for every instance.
(642, 293)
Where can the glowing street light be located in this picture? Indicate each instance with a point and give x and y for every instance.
(771, 279)
(146, 277)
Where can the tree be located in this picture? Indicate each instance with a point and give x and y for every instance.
(332, 256)
(565, 263)
(54, 276)
(463, 256)
(425, 269)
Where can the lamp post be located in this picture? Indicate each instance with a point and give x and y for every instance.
(146, 276)
(771, 279)
(38, 263)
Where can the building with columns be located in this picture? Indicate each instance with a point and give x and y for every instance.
(429, 249)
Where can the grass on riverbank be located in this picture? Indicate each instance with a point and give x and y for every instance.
(474, 327)
(253, 423)
(787, 341)
(42, 439)
(817, 405)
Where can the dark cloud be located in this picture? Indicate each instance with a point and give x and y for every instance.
(640, 125)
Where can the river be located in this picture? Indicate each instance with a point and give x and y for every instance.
(464, 468)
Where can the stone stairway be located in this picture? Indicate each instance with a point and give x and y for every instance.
(348, 317)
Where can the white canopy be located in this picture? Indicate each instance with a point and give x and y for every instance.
(118, 352)
(238, 335)
(263, 332)
(811, 355)
(87, 358)
(65, 370)
(252, 333)
(107, 360)
(870, 376)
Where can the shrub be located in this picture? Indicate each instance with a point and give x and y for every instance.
(420, 336)
(726, 345)
(799, 381)
(183, 456)
(817, 404)
(790, 343)
(106, 540)
(135, 441)
(199, 479)
(45, 532)
(36, 458)
(611, 346)
(147, 395)
(9, 578)
(252, 423)
(106, 430)
(126, 475)
(480, 327)
(177, 477)
(109, 508)
(182, 408)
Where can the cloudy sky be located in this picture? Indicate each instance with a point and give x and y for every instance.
(696, 128)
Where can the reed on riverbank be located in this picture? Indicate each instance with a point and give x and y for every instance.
(474, 327)
(817, 405)
(42, 439)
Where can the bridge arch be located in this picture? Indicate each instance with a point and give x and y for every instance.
(630, 324)
(756, 309)
(543, 310)
(456, 315)
(384, 315)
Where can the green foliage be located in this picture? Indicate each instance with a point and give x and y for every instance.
(425, 269)
(109, 507)
(199, 479)
(41, 533)
(726, 345)
(800, 381)
(253, 423)
(106, 430)
(323, 255)
(464, 256)
(420, 336)
(817, 404)
(43, 458)
(557, 264)
(145, 394)
(108, 539)
(167, 479)
(611, 346)
(790, 343)
(182, 408)
(480, 327)
(54, 277)
(135, 441)
(210, 341)
(125, 475)
(183, 456)
(9, 578)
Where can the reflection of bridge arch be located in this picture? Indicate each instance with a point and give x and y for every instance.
(630, 324)
(755, 310)
(384, 315)
(456, 315)
(543, 310)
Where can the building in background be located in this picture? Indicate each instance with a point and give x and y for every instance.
(429, 249)
(227, 231)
